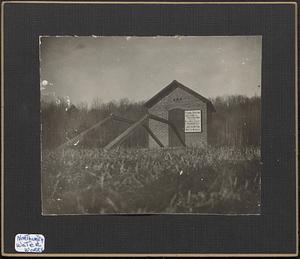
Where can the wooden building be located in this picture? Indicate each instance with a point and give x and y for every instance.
(190, 113)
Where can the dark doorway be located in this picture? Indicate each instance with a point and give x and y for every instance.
(176, 116)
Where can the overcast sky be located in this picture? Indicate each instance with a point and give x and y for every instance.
(136, 68)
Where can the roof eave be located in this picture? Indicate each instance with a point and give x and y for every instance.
(175, 84)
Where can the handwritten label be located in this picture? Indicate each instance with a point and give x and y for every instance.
(192, 121)
(29, 243)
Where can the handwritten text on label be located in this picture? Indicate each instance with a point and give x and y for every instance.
(29, 243)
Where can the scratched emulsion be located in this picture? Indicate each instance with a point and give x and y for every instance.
(102, 152)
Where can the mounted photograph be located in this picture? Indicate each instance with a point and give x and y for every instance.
(150, 125)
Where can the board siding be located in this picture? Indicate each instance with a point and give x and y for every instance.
(187, 102)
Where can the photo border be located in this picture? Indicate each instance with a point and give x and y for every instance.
(142, 254)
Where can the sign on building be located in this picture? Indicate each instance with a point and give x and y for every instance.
(192, 121)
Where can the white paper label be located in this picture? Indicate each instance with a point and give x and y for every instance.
(192, 121)
(29, 243)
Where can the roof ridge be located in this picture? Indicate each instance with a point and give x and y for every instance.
(172, 86)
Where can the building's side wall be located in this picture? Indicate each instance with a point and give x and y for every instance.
(187, 102)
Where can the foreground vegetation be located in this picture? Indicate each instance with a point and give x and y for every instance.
(213, 180)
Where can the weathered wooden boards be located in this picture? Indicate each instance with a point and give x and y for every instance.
(122, 137)
(144, 125)
(79, 136)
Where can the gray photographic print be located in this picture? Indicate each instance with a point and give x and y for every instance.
(144, 125)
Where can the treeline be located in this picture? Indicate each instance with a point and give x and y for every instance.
(61, 122)
(236, 122)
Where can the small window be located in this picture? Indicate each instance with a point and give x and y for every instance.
(177, 99)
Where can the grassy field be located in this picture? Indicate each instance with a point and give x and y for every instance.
(91, 181)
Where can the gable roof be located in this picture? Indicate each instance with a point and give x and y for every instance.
(171, 87)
